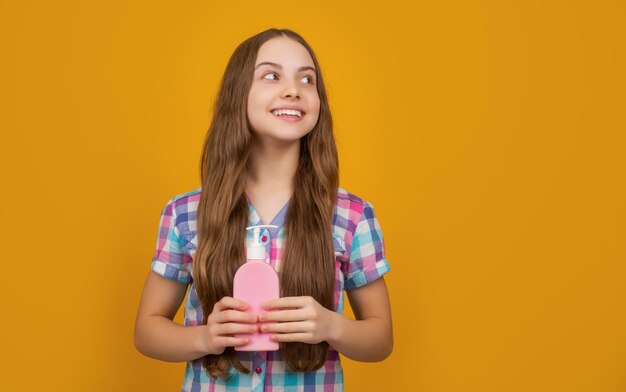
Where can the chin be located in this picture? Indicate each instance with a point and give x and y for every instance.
(281, 136)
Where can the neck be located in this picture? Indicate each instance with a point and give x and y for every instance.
(273, 166)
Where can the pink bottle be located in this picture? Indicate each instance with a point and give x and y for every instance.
(256, 282)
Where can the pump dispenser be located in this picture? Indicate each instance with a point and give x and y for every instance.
(256, 282)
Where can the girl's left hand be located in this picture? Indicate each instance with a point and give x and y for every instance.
(298, 319)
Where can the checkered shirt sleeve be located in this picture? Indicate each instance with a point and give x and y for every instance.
(367, 256)
(170, 260)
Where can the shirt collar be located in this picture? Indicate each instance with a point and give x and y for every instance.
(279, 219)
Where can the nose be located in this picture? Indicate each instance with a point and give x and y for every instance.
(291, 90)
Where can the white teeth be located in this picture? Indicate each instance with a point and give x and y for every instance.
(291, 112)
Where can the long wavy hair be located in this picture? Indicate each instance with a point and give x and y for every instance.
(308, 261)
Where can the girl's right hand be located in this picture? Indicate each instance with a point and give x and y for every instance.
(227, 318)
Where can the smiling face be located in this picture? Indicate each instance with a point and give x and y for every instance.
(288, 81)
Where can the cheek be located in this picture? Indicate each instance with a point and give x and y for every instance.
(256, 105)
(316, 109)
(252, 98)
(260, 99)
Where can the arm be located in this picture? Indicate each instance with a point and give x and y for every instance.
(369, 338)
(158, 336)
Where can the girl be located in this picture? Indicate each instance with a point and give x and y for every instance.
(269, 158)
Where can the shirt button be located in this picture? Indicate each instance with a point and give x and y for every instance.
(264, 238)
(258, 370)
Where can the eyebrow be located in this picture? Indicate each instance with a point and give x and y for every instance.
(281, 67)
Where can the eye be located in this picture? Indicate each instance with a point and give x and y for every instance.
(271, 73)
(311, 80)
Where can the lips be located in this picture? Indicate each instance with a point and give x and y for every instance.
(288, 118)
(294, 113)
(289, 107)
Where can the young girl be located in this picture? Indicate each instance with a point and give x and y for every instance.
(269, 158)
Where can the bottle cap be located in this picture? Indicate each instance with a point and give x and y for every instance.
(256, 250)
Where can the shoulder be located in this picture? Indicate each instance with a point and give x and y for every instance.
(343, 194)
(184, 202)
(350, 210)
(182, 208)
(192, 196)
(350, 205)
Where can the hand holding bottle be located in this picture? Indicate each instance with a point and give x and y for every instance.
(298, 319)
(228, 318)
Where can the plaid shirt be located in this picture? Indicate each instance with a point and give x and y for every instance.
(359, 260)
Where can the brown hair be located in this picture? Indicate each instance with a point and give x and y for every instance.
(308, 261)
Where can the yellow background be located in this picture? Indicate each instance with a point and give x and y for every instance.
(488, 135)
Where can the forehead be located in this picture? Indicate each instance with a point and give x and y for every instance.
(284, 51)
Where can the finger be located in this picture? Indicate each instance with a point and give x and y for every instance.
(283, 315)
(231, 315)
(292, 337)
(227, 341)
(285, 302)
(233, 328)
(230, 303)
(295, 327)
